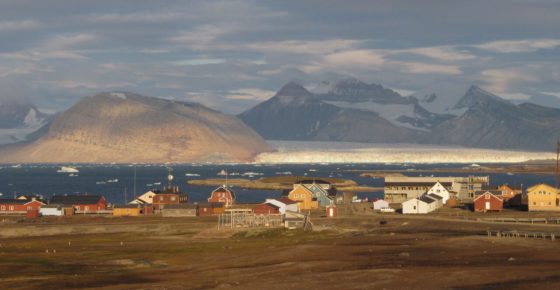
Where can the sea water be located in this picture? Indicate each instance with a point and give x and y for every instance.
(117, 182)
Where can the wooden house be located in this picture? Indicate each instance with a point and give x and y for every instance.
(488, 201)
(323, 192)
(284, 204)
(85, 204)
(265, 209)
(304, 197)
(19, 206)
(223, 194)
(543, 197)
(420, 205)
(169, 196)
(440, 190)
(126, 210)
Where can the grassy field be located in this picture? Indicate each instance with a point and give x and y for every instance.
(445, 250)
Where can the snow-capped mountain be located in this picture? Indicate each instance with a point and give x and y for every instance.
(354, 111)
(20, 121)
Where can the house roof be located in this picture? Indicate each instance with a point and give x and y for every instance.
(75, 199)
(484, 193)
(426, 199)
(435, 196)
(285, 200)
(225, 188)
(269, 204)
(13, 201)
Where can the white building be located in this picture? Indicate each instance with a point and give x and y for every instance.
(420, 205)
(402, 188)
(440, 190)
(379, 204)
(51, 210)
(146, 198)
(284, 204)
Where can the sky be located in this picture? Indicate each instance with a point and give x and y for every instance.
(231, 55)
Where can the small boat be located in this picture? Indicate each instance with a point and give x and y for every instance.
(72, 175)
(100, 182)
(113, 180)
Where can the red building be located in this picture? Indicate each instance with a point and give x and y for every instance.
(210, 208)
(223, 194)
(19, 206)
(487, 201)
(266, 208)
(81, 203)
(170, 195)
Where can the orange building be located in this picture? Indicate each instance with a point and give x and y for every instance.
(304, 197)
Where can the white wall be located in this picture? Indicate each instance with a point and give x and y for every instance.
(414, 206)
(379, 204)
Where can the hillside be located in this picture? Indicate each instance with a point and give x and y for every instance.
(125, 127)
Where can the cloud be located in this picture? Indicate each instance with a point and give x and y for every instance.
(444, 53)
(361, 59)
(304, 47)
(18, 25)
(201, 38)
(517, 46)
(199, 61)
(90, 85)
(555, 94)
(427, 68)
(68, 41)
(250, 94)
(37, 55)
(149, 17)
(499, 80)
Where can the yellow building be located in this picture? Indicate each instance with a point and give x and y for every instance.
(126, 210)
(543, 197)
(304, 197)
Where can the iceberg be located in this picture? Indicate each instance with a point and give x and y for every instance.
(68, 169)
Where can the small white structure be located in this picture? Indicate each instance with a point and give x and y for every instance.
(146, 198)
(284, 204)
(379, 204)
(420, 205)
(51, 210)
(440, 190)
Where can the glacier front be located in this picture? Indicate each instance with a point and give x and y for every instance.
(347, 152)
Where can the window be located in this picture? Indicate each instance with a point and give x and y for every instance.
(29, 208)
(86, 208)
(487, 196)
(172, 198)
(3, 207)
(414, 207)
(11, 207)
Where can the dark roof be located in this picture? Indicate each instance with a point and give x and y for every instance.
(432, 195)
(75, 199)
(13, 201)
(426, 199)
(126, 206)
(225, 189)
(492, 191)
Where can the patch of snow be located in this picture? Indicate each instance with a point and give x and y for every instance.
(389, 112)
(119, 95)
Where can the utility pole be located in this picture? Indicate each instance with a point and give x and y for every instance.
(134, 188)
(125, 197)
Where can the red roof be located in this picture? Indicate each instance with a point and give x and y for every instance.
(286, 200)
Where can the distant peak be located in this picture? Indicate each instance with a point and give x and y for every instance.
(293, 89)
(478, 96)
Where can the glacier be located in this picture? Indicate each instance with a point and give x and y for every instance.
(347, 152)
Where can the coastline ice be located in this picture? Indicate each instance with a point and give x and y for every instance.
(295, 152)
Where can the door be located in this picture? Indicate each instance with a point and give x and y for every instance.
(487, 205)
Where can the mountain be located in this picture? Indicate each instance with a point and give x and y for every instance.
(296, 114)
(126, 127)
(353, 111)
(355, 91)
(20, 121)
(492, 122)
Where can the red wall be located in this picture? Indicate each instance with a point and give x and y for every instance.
(265, 209)
(495, 204)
